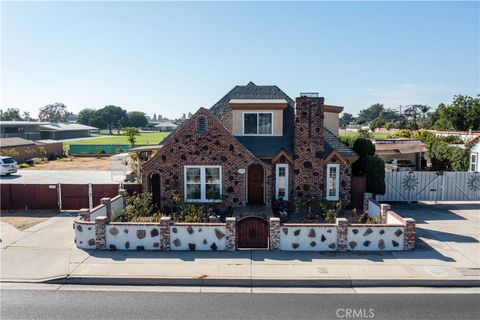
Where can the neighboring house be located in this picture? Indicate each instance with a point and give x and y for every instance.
(28, 149)
(401, 149)
(165, 126)
(474, 165)
(253, 146)
(44, 130)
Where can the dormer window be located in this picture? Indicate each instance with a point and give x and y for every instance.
(201, 124)
(257, 123)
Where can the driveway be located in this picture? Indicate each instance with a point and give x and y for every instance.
(58, 176)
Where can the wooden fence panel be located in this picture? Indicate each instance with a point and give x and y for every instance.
(74, 196)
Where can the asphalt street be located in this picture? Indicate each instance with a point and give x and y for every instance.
(44, 304)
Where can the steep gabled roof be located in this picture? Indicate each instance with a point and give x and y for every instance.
(332, 142)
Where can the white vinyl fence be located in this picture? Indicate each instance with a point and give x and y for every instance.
(431, 186)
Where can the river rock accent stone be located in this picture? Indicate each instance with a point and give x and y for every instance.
(154, 232)
(285, 230)
(199, 229)
(352, 244)
(398, 233)
(79, 228)
(156, 244)
(127, 244)
(323, 239)
(125, 230)
(141, 234)
(367, 232)
(355, 231)
(91, 242)
(205, 241)
(192, 246)
(296, 232)
(332, 245)
(394, 243)
(295, 245)
(366, 243)
(313, 244)
(112, 247)
(114, 231)
(174, 230)
(214, 247)
(177, 242)
(89, 228)
(140, 248)
(219, 234)
(329, 231)
(312, 233)
(381, 244)
(382, 231)
(190, 230)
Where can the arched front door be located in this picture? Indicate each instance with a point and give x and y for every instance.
(255, 184)
(155, 189)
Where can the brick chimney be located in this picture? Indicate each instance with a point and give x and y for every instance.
(308, 146)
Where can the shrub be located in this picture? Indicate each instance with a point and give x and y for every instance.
(43, 152)
(424, 135)
(138, 206)
(375, 171)
(363, 147)
(52, 156)
(332, 214)
(310, 205)
(445, 157)
(23, 165)
(9, 152)
(451, 139)
(401, 134)
(193, 213)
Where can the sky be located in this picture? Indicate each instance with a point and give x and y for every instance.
(172, 58)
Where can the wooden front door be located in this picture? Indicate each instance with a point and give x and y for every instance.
(255, 184)
(155, 190)
(252, 233)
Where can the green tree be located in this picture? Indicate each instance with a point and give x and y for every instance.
(375, 123)
(131, 134)
(137, 119)
(375, 171)
(388, 126)
(43, 152)
(56, 112)
(86, 116)
(11, 114)
(372, 112)
(346, 119)
(111, 117)
(363, 148)
(9, 152)
(463, 113)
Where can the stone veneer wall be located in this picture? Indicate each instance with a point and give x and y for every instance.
(308, 167)
(132, 236)
(216, 146)
(308, 237)
(374, 237)
(84, 234)
(198, 236)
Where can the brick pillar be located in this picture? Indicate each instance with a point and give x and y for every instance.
(342, 234)
(384, 208)
(230, 224)
(274, 243)
(165, 233)
(124, 195)
(100, 232)
(366, 197)
(410, 233)
(84, 214)
(108, 206)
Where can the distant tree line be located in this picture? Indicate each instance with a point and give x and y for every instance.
(462, 114)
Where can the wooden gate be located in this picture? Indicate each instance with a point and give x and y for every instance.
(359, 187)
(252, 233)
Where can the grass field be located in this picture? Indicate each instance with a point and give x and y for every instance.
(145, 138)
(377, 135)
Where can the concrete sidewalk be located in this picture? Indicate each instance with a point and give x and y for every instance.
(447, 254)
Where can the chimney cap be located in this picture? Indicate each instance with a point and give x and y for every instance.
(309, 94)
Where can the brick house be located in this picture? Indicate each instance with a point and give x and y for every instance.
(254, 145)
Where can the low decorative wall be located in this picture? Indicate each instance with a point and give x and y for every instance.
(94, 230)
(308, 237)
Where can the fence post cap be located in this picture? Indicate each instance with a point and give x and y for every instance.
(101, 218)
(105, 200)
(341, 220)
(274, 219)
(165, 219)
(83, 210)
(410, 220)
(230, 219)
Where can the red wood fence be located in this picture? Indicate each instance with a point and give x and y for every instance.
(47, 196)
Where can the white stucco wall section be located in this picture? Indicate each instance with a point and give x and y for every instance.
(376, 238)
(308, 238)
(198, 237)
(391, 219)
(373, 209)
(117, 204)
(85, 235)
(133, 236)
(98, 211)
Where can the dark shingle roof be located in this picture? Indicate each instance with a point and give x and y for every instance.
(332, 142)
(15, 142)
(260, 146)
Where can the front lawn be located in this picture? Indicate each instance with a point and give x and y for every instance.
(145, 138)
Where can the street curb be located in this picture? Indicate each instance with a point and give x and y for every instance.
(268, 282)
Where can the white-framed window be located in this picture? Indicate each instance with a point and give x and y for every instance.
(474, 161)
(203, 183)
(333, 182)
(258, 123)
(281, 181)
